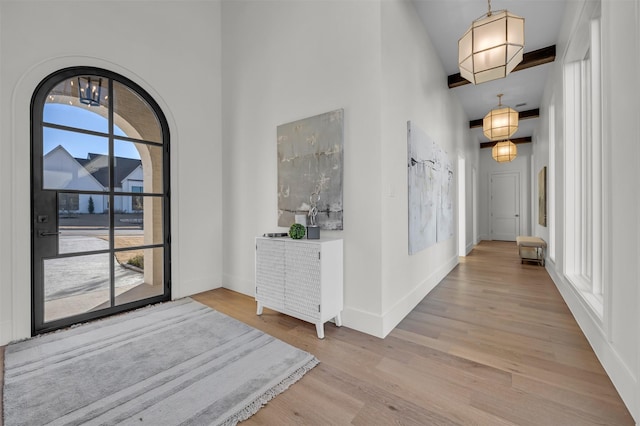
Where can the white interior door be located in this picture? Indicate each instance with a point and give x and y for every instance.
(505, 206)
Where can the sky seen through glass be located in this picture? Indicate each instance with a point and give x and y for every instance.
(79, 145)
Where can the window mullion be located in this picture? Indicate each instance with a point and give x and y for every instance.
(112, 237)
(597, 158)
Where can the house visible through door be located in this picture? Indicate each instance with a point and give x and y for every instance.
(505, 206)
(100, 198)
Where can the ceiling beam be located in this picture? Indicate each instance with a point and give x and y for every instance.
(522, 115)
(526, 139)
(529, 59)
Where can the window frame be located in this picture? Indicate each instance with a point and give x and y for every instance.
(583, 165)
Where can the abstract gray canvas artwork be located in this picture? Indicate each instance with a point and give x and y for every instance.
(430, 185)
(445, 208)
(310, 167)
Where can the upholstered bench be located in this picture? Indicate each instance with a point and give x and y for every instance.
(531, 249)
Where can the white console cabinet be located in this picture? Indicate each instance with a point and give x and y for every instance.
(300, 278)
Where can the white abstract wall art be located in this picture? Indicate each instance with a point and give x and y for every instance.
(445, 209)
(310, 169)
(430, 182)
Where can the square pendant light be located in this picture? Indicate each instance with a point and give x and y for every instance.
(492, 47)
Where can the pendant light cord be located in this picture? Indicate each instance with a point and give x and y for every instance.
(489, 12)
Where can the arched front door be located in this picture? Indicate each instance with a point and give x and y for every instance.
(100, 198)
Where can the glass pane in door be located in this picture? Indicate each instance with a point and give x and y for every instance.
(139, 165)
(80, 102)
(142, 120)
(138, 274)
(75, 285)
(73, 160)
(140, 223)
(82, 227)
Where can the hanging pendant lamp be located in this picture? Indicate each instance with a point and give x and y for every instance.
(504, 151)
(89, 89)
(501, 122)
(492, 47)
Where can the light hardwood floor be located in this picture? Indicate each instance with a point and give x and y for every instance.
(492, 344)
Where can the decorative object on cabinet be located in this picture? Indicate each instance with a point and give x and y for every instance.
(310, 160)
(430, 185)
(297, 231)
(275, 234)
(313, 205)
(313, 232)
(301, 219)
(300, 278)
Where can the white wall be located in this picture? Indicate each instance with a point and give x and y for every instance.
(170, 48)
(616, 337)
(540, 159)
(414, 87)
(283, 61)
(279, 61)
(286, 60)
(522, 165)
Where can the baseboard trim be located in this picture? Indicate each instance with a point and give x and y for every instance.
(367, 322)
(363, 321)
(192, 287)
(381, 325)
(6, 335)
(621, 375)
(403, 307)
(239, 285)
(469, 248)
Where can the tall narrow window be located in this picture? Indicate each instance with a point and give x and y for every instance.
(583, 174)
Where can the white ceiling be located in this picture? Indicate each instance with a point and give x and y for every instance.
(447, 20)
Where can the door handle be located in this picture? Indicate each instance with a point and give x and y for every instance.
(47, 234)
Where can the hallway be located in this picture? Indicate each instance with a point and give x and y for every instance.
(492, 344)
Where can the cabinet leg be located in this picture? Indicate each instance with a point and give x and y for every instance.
(259, 310)
(338, 320)
(320, 330)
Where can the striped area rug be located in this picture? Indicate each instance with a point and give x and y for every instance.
(177, 363)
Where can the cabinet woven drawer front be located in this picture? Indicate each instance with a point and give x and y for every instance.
(302, 278)
(270, 273)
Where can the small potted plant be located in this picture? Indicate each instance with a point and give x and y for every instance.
(297, 231)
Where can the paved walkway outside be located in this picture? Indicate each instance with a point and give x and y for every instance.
(79, 284)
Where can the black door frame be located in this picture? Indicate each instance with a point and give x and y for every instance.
(44, 228)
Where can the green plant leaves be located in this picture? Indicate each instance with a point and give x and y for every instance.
(296, 231)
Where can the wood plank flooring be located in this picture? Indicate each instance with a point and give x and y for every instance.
(492, 344)
(1, 383)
